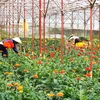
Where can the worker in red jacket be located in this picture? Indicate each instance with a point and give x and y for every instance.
(9, 44)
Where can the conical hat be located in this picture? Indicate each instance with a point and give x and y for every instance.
(1, 43)
(17, 39)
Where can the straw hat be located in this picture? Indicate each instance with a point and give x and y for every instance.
(17, 39)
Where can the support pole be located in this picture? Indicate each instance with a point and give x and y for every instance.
(12, 18)
(33, 25)
(84, 23)
(55, 26)
(9, 19)
(6, 21)
(91, 37)
(72, 24)
(18, 18)
(40, 26)
(62, 32)
(24, 22)
(99, 23)
(44, 26)
(49, 27)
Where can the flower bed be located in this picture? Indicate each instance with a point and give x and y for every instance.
(30, 77)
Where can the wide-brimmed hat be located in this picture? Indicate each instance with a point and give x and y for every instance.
(1, 43)
(17, 39)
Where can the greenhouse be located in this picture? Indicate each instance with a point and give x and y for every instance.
(50, 49)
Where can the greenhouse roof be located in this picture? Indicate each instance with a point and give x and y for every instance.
(22, 9)
(69, 5)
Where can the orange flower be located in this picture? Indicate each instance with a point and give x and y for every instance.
(26, 71)
(50, 95)
(98, 56)
(71, 59)
(62, 71)
(6, 73)
(26, 54)
(78, 78)
(19, 88)
(17, 65)
(93, 62)
(60, 94)
(35, 76)
(8, 44)
(55, 72)
(9, 85)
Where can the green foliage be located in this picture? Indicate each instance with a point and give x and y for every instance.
(53, 77)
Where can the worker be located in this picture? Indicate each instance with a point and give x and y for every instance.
(76, 39)
(9, 44)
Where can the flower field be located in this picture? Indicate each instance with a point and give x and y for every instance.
(31, 77)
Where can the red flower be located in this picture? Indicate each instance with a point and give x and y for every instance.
(40, 62)
(87, 75)
(62, 72)
(88, 68)
(52, 54)
(93, 52)
(78, 54)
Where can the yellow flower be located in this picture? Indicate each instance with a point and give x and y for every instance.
(80, 44)
(50, 95)
(60, 94)
(98, 69)
(24, 41)
(16, 84)
(21, 91)
(0, 62)
(86, 58)
(10, 73)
